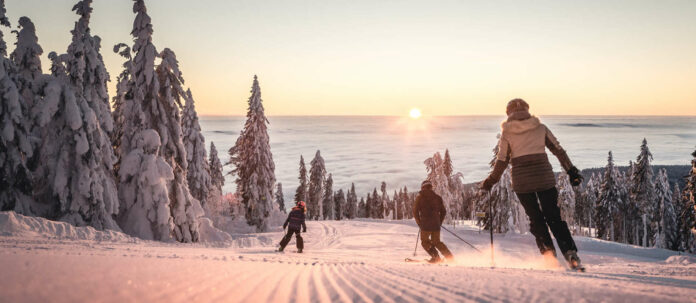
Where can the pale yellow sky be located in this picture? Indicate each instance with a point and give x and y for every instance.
(630, 57)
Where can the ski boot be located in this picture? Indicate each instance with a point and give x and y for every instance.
(280, 249)
(574, 261)
(299, 251)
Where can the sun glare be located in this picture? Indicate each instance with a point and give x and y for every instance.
(415, 113)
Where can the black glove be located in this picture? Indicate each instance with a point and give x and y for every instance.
(487, 184)
(575, 176)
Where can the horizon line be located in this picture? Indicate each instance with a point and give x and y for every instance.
(446, 116)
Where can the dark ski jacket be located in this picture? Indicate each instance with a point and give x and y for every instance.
(296, 219)
(429, 210)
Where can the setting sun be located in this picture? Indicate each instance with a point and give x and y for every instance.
(415, 113)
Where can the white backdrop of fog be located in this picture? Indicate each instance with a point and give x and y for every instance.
(370, 149)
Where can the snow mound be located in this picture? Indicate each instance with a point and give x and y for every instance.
(209, 233)
(16, 225)
(681, 260)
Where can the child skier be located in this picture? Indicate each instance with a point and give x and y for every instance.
(522, 143)
(429, 212)
(295, 220)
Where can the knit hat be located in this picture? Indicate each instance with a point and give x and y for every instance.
(516, 105)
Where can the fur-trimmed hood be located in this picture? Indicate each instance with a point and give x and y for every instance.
(521, 126)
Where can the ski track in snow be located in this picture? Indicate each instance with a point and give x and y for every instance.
(344, 261)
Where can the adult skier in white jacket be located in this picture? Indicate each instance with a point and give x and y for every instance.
(523, 144)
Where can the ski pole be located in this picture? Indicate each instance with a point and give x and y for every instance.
(490, 219)
(416, 247)
(474, 247)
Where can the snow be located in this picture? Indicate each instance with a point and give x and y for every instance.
(356, 260)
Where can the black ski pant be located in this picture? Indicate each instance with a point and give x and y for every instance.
(542, 210)
(430, 240)
(300, 242)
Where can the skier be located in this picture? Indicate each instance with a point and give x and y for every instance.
(429, 212)
(522, 143)
(295, 220)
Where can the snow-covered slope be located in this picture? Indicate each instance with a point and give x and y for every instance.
(344, 261)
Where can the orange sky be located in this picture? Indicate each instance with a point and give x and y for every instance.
(385, 57)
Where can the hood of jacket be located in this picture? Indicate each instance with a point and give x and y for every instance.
(521, 126)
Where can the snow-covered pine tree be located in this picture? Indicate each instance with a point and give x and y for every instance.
(144, 178)
(375, 205)
(76, 157)
(665, 235)
(198, 173)
(165, 117)
(398, 210)
(15, 145)
(687, 218)
(27, 61)
(408, 204)
(590, 194)
(608, 201)
(642, 192)
(362, 208)
(151, 101)
(384, 202)
(352, 203)
(253, 161)
(88, 73)
(124, 94)
(508, 213)
(317, 173)
(301, 191)
(339, 205)
(328, 199)
(217, 179)
(279, 199)
(566, 198)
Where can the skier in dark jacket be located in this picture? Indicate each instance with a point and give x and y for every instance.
(429, 212)
(295, 221)
(523, 144)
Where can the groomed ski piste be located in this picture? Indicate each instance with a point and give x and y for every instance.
(344, 261)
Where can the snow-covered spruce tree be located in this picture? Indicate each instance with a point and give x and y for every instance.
(508, 214)
(398, 211)
(352, 203)
(76, 156)
(165, 117)
(15, 146)
(317, 173)
(589, 196)
(566, 198)
(198, 174)
(384, 202)
(151, 101)
(642, 192)
(687, 217)
(301, 191)
(253, 161)
(76, 161)
(124, 93)
(328, 199)
(666, 233)
(27, 61)
(339, 205)
(408, 204)
(144, 178)
(376, 206)
(362, 209)
(279, 199)
(608, 201)
(217, 179)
